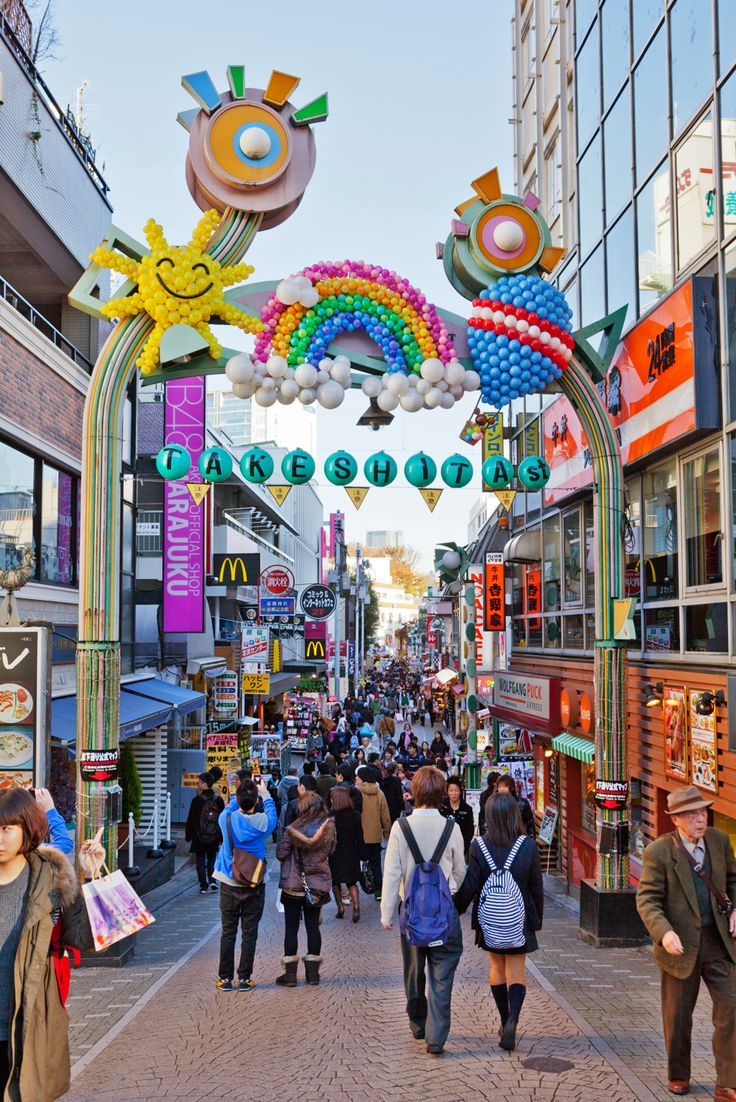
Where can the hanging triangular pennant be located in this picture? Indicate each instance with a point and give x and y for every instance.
(357, 494)
(506, 498)
(431, 496)
(198, 490)
(598, 360)
(279, 493)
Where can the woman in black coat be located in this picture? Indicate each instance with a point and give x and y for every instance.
(457, 808)
(348, 852)
(204, 836)
(393, 790)
(504, 833)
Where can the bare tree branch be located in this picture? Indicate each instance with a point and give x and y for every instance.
(46, 36)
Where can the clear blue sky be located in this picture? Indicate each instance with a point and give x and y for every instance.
(420, 97)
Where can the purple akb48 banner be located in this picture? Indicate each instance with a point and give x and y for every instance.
(184, 520)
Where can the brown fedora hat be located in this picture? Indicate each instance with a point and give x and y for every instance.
(686, 799)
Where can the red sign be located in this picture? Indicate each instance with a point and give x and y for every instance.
(533, 596)
(653, 394)
(494, 593)
(277, 580)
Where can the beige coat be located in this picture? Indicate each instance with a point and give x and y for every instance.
(666, 898)
(375, 817)
(38, 1044)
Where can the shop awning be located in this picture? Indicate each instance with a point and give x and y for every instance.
(526, 547)
(137, 714)
(282, 682)
(183, 701)
(210, 667)
(574, 747)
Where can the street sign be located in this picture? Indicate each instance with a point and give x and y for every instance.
(254, 644)
(277, 580)
(277, 606)
(318, 601)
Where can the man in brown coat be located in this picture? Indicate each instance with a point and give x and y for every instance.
(693, 933)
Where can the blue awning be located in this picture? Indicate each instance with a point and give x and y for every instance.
(137, 714)
(182, 700)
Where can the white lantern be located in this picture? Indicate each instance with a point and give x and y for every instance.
(451, 560)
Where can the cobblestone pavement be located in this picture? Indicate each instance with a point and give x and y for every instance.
(159, 1029)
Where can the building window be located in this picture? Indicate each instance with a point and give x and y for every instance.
(553, 633)
(590, 199)
(662, 630)
(621, 277)
(584, 12)
(653, 225)
(17, 506)
(551, 552)
(615, 33)
(646, 14)
(660, 533)
(632, 539)
(728, 147)
(529, 54)
(588, 88)
(637, 838)
(618, 157)
(695, 192)
(592, 288)
(651, 110)
(589, 552)
(573, 559)
(691, 48)
(574, 633)
(552, 169)
(587, 792)
(57, 526)
(706, 628)
(702, 519)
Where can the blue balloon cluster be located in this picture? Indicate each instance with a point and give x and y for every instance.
(507, 368)
(393, 348)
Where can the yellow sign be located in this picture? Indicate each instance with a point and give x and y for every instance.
(493, 440)
(623, 618)
(315, 649)
(256, 683)
(531, 438)
(506, 498)
(198, 490)
(431, 496)
(279, 493)
(357, 494)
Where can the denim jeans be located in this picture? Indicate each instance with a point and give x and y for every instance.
(294, 907)
(206, 866)
(239, 907)
(429, 1010)
(373, 856)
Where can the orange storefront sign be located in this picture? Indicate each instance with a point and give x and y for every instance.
(651, 393)
(586, 713)
(568, 708)
(494, 589)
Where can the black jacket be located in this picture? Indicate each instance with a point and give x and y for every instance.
(393, 790)
(438, 746)
(464, 819)
(526, 871)
(191, 830)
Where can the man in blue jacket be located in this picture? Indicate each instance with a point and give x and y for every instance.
(239, 905)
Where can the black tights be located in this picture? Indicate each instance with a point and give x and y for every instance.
(294, 907)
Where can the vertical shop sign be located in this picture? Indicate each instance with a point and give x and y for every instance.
(493, 439)
(475, 574)
(24, 733)
(703, 747)
(533, 592)
(675, 734)
(184, 520)
(494, 592)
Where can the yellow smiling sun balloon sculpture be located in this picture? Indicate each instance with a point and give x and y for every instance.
(177, 285)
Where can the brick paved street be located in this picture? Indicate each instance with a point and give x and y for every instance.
(595, 1012)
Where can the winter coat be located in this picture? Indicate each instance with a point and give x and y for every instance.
(287, 815)
(526, 871)
(38, 1045)
(375, 817)
(393, 790)
(348, 852)
(438, 746)
(464, 819)
(306, 848)
(191, 830)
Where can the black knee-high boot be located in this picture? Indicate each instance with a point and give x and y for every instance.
(500, 994)
(517, 992)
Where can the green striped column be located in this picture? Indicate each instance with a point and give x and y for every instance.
(98, 652)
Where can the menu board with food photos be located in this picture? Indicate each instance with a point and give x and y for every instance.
(23, 726)
(675, 733)
(703, 746)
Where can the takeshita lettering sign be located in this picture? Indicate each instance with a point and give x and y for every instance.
(661, 386)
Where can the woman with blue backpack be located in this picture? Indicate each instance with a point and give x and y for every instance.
(504, 884)
(424, 865)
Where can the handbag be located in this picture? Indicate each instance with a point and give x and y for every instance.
(367, 880)
(248, 869)
(723, 903)
(313, 897)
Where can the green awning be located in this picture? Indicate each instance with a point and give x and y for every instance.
(580, 748)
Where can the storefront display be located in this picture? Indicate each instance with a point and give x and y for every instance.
(675, 734)
(302, 711)
(703, 751)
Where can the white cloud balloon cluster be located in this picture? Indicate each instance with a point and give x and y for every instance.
(274, 381)
(437, 386)
(297, 289)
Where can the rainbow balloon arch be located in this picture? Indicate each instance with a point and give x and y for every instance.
(330, 327)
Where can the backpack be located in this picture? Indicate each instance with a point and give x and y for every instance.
(208, 828)
(501, 911)
(354, 742)
(428, 913)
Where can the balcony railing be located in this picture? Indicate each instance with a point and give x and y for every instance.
(38, 321)
(66, 122)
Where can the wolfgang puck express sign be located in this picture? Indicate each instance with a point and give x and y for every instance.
(528, 701)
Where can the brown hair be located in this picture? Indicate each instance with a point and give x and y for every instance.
(310, 808)
(18, 808)
(505, 780)
(503, 819)
(428, 787)
(340, 798)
